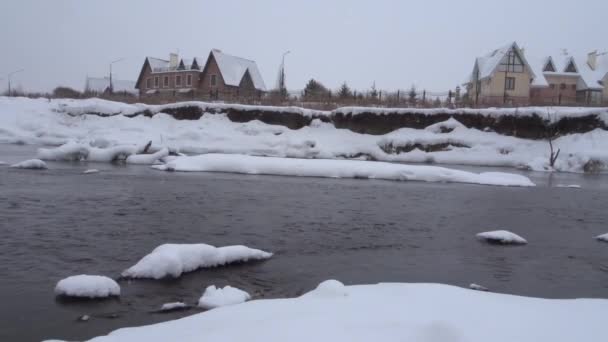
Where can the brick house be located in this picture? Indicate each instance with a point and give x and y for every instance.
(221, 77)
(504, 76)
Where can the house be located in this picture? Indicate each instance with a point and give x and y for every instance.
(218, 77)
(507, 77)
(566, 80)
(101, 85)
(503, 76)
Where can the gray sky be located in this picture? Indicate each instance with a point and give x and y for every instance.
(429, 43)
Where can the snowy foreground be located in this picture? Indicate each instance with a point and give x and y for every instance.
(171, 260)
(387, 312)
(103, 139)
(337, 169)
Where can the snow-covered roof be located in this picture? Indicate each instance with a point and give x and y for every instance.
(233, 69)
(490, 62)
(157, 63)
(100, 85)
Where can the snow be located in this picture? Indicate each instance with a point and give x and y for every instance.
(570, 186)
(336, 169)
(87, 286)
(2, 163)
(34, 164)
(171, 260)
(603, 237)
(215, 298)
(173, 306)
(387, 312)
(503, 237)
(147, 159)
(328, 289)
(58, 122)
(90, 171)
(478, 287)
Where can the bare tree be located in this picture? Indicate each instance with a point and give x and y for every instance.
(552, 134)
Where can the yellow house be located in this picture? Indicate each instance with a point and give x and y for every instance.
(502, 77)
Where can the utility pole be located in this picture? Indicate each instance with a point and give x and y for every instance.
(111, 84)
(10, 74)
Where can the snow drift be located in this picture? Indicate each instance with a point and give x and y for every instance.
(387, 312)
(337, 169)
(171, 260)
(215, 298)
(603, 237)
(446, 140)
(87, 286)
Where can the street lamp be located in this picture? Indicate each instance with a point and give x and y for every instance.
(282, 87)
(10, 74)
(111, 63)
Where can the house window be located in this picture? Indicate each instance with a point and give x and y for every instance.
(166, 82)
(156, 81)
(213, 80)
(573, 87)
(549, 67)
(189, 80)
(148, 83)
(510, 84)
(178, 81)
(552, 86)
(562, 86)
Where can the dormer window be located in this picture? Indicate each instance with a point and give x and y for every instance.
(549, 67)
(571, 67)
(181, 65)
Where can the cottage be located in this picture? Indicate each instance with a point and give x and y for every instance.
(501, 77)
(221, 77)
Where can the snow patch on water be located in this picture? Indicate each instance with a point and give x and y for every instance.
(87, 286)
(214, 297)
(503, 237)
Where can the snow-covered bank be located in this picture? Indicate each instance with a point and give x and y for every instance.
(387, 312)
(171, 260)
(87, 286)
(105, 139)
(337, 169)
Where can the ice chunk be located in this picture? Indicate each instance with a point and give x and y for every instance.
(572, 186)
(502, 237)
(174, 306)
(171, 260)
(34, 164)
(89, 171)
(603, 237)
(147, 159)
(214, 297)
(70, 152)
(87, 286)
(478, 287)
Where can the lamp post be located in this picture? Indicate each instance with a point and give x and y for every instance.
(10, 74)
(282, 88)
(111, 63)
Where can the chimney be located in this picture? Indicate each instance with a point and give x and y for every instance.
(592, 59)
(173, 60)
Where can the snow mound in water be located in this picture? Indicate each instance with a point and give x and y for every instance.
(171, 260)
(70, 151)
(337, 169)
(89, 171)
(502, 237)
(571, 186)
(173, 306)
(388, 313)
(87, 286)
(329, 288)
(33, 164)
(147, 159)
(2, 162)
(603, 237)
(215, 298)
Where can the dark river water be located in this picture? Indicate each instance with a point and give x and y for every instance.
(59, 222)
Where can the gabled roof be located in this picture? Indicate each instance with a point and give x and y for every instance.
(588, 78)
(101, 84)
(234, 68)
(157, 63)
(488, 64)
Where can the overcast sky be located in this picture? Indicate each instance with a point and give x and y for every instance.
(430, 43)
